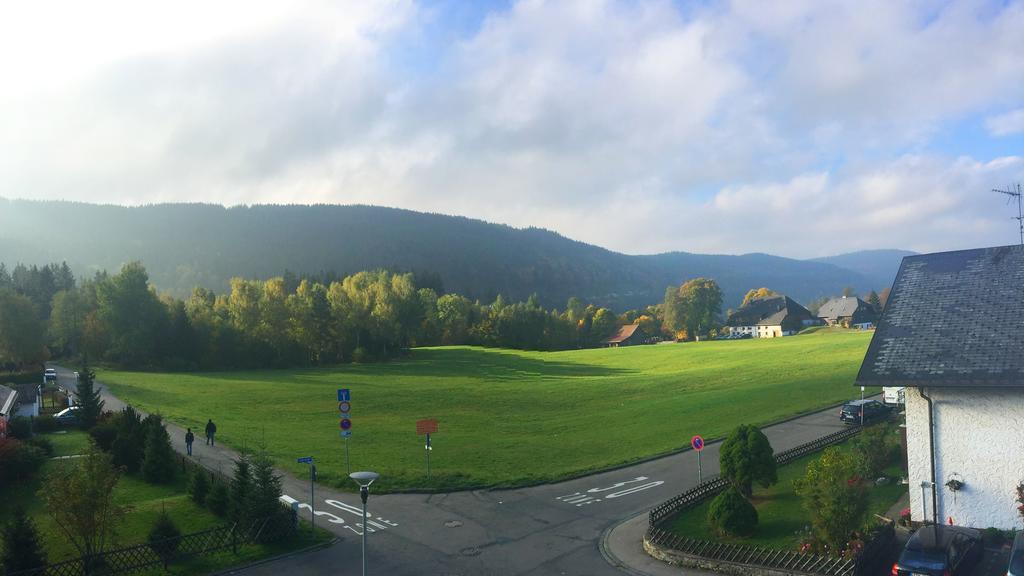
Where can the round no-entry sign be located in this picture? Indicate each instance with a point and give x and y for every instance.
(697, 442)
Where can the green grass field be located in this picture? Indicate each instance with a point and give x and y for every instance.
(508, 417)
(781, 515)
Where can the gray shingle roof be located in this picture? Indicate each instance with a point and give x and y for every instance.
(952, 319)
(767, 311)
(841, 307)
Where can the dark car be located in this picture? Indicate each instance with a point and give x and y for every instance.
(1016, 567)
(940, 551)
(872, 409)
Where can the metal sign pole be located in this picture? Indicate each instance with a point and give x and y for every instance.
(347, 467)
(428, 456)
(700, 477)
(312, 500)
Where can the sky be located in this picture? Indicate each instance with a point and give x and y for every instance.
(800, 127)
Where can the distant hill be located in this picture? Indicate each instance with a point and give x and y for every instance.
(185, 245)
(879, 267)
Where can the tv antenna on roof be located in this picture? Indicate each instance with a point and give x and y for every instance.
(1011, 193)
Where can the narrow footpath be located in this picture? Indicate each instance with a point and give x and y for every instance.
(587, 526)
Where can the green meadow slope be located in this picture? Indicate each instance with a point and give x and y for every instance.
(508, 417)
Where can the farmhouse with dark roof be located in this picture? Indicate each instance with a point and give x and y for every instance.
(769, 317)
(848, 312)
(952, 333)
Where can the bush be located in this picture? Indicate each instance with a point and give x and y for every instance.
(730, 514)
(875, 448)
(46, 424)
(20, 427)
(18, 461)
(164, 537)
(834, 496)
(217, 499)
(43, 443)
(747, 457)
(360, 355)
(993, 536)
(199, 486)
(105, 433)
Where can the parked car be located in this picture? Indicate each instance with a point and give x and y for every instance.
(1016, 567)
(940, 551)
(873, 410)
(67, 416)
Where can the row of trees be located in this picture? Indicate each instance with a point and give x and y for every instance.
(287, 321)
(292, 321)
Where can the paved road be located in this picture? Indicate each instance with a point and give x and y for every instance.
(544, 530)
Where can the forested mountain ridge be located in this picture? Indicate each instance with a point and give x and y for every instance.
(188, 245)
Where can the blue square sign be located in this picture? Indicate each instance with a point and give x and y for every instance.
(343, 395)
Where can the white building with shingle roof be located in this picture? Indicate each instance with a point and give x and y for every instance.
(952, 333)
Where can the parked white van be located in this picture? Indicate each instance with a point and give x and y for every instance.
(893, 396)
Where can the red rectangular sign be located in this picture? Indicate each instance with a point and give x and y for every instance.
(426, 426)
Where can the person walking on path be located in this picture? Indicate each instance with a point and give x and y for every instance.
(189, 438)
(211, 429)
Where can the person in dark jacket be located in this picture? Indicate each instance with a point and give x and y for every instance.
(211, 429)
(189, 439)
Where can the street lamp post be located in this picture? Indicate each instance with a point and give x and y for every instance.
(364, 479)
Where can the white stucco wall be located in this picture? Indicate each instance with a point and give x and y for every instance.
(979, 433)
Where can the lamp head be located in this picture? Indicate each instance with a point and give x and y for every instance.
(364, 478)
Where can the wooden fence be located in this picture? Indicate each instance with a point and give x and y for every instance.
(142, 556)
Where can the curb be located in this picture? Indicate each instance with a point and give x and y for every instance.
(282, 556)
(609, 556)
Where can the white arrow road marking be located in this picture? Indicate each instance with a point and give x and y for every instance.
(635, 489)
(584, 498)
(618, 485)
(371, 525)
(330, 517)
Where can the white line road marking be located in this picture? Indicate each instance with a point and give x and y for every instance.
(585, 499)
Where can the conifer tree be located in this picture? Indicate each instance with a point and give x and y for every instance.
(90, 406)
(22, 547)
(158, 461)
(241, 492)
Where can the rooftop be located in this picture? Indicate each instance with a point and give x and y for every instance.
(952, 319)
(622, 334)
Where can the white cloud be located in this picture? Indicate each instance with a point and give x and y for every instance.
(1006, 124)
(716, 127)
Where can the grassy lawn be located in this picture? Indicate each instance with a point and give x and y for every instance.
(143, 503)
(508, 417)
(781, 516)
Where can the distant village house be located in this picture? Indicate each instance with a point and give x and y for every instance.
(848, 312)
(628, 335)
(952, 333)
(770, 317)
